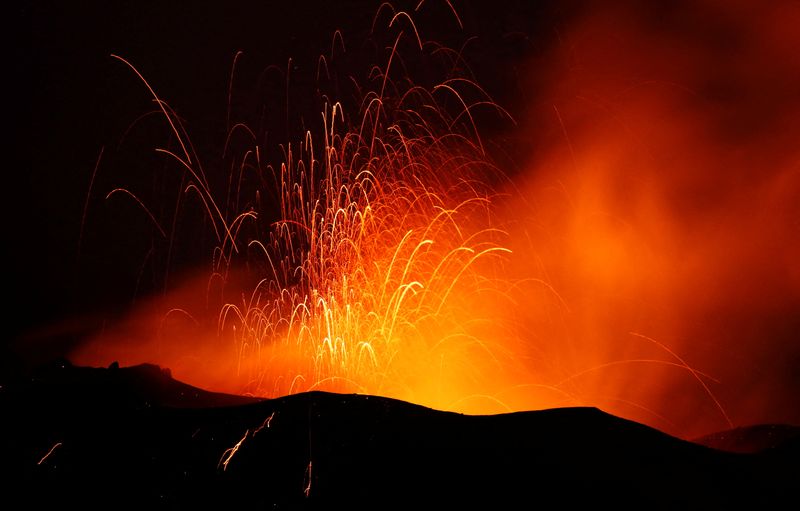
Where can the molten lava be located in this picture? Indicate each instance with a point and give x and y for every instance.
(644, 262)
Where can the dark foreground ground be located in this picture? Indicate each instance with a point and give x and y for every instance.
(134, 436)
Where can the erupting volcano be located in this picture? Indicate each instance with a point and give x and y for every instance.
(466, 208)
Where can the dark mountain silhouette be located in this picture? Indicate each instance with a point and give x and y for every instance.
(121, 437)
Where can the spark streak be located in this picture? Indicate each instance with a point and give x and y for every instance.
(229, 452)
(57, 445)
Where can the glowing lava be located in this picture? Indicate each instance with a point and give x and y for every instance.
(617, 272)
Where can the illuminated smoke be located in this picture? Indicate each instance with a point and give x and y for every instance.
(663, 201)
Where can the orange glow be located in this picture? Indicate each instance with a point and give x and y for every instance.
(644, 262)
(664, 208)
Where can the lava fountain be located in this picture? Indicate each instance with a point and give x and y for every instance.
(632, 265)
(374, 267)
